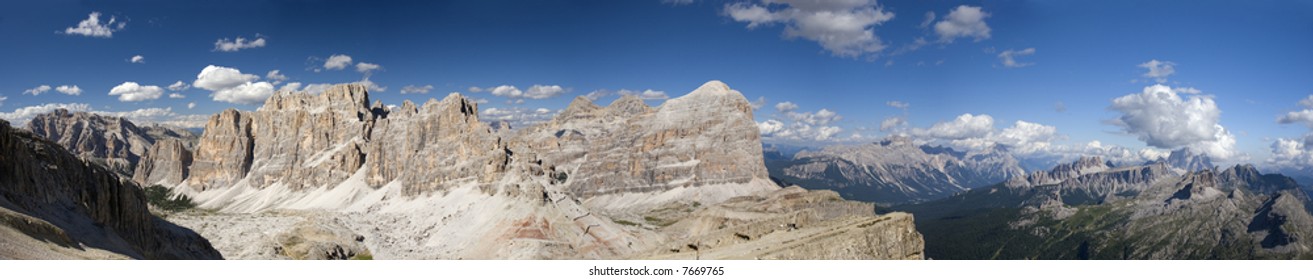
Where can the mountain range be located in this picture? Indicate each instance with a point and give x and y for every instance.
(896, 170)
(336, 176)
(1089, 209)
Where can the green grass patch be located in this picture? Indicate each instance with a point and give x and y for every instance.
(624, 222)
(657, 221)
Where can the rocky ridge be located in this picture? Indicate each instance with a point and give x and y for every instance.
(1089, 209)
(432, 181)
(56, 205)
(116, 143)
(1186, 160)
(896, 170)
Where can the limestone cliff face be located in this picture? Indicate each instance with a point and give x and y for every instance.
(165, 163)
(224, 152)
(114, 142)
(433, 181)
(434, 146)
(305, 141)
(705, 137)
(52, 195)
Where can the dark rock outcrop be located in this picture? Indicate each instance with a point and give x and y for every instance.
(83, 203)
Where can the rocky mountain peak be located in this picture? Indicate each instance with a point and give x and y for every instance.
(579, 107)
(705, 137)
(1091, 164)
(1062, 172)
(711, 96)
(407, 109)
(113, 142)
(304, 141)
(628, 105)
(713, 87)
(345, 98)
(1249, 176)
(1187, 160)
(454, 106)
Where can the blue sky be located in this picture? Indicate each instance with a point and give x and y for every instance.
(1249, 60)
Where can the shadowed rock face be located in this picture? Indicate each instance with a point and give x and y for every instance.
(82, 204)
(114, 142)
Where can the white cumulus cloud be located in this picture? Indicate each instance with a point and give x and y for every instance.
(92, 27)
(248, 93)
(1163, 119)
(845, 28)
(133, 92)
(1009, 57)
(69, 90)
(963, 127)
(785, 107)
(1158, 70)
(1304, 116)
(793, 125)
(20, 116)
(38, 90)
(218, 78)
(365, 67)
(963, 21)
(293, 86)
(508, 91)
(544, 91)
(891, 123)
(337, 62)
(232, 45)
(275, 76)
(770, 127)
(413, 89)
(137, 59)
(1290, 153)
(233, 86)
(179, 86)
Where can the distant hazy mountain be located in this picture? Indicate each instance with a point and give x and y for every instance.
(1185, 160)
(1089, 209)
(895, 170)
